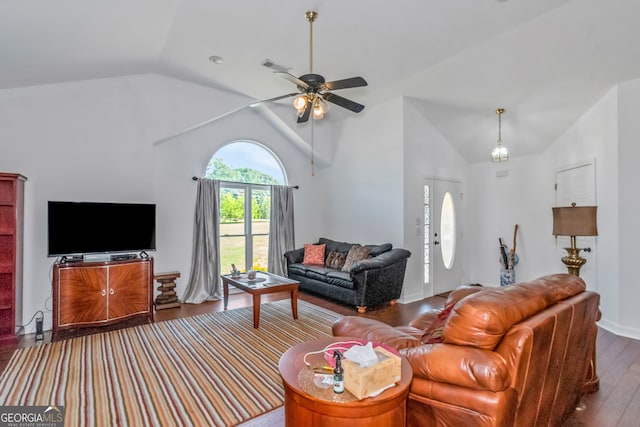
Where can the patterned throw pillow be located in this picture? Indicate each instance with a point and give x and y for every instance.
(356, 253)
(336, 259)
(433, 334)
(313, 254)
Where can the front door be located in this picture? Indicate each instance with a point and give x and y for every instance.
(442, 210)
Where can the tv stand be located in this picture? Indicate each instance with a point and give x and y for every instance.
(95, 296)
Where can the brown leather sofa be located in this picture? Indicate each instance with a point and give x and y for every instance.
(519, 355)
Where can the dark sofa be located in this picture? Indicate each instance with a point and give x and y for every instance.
(370, 282)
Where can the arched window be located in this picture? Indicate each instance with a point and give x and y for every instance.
(247, 170)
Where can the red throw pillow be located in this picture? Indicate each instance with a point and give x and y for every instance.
(313, 254)
(433, 334)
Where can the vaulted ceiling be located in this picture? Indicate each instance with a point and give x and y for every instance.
(545, 61)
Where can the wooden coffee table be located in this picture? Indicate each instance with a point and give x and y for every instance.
(304, 408)
(264, 283)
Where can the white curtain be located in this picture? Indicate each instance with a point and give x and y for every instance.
(281, 234)
(204, 279)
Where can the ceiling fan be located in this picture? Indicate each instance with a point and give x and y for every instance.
(313, 90)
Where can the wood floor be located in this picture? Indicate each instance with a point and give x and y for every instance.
(617, 403)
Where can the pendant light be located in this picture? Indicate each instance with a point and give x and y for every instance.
(500, 153)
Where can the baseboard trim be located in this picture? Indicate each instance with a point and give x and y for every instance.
(617, 329)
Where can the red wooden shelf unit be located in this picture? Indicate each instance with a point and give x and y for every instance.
(11, 237)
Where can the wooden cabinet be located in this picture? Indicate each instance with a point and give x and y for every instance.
(11, 236)
(89, 295)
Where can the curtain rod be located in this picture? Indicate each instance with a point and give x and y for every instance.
(195, 178)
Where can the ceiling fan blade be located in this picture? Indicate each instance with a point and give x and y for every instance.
(293, 79)
(277, 98)
(307, 112)
(343, 102)
(345, 83)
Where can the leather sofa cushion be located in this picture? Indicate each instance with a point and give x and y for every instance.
(339, 278)
(333, 246)
(467, 367)
(375, 250)
(323, 274)
(318, 273)
(298, 269)
(482, 318)
(310, 270)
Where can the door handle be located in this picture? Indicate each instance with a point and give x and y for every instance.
(436, 242)
(587, 249)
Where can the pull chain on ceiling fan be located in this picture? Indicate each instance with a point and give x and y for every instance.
(313, 90)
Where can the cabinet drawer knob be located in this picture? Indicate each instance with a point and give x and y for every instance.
(110, 291)
(104, 292)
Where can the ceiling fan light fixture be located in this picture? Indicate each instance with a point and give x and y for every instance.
(319, 108)
(300, 102)
(500, 152)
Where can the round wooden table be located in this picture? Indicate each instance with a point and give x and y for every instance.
(304, 409)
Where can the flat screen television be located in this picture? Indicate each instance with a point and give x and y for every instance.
(78, 228)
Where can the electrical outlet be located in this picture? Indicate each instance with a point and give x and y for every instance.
(39, 333)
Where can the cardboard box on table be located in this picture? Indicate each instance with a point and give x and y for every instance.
(364, 382)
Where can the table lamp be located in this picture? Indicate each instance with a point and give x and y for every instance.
(574, 221)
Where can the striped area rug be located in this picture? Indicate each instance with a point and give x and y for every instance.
(212, 369)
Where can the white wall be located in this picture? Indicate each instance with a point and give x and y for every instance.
(501, 196)
(595, 137)
(629, 206)
(363, 188)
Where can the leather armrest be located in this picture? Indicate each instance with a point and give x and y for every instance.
(461, 292)
(387, 258)
(373, 330)
(294, 256)
(425, 319)
(467, 367)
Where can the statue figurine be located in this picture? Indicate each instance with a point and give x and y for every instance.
(234, 271)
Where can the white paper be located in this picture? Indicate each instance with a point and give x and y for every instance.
(363, 355)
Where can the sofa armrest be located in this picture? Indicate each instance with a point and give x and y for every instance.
(463, 366)
(383, 260)
(424, 320)
(373, 330)
(294, 256)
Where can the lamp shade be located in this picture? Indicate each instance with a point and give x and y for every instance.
(575, 221)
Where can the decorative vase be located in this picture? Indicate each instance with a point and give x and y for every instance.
(507, 276)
